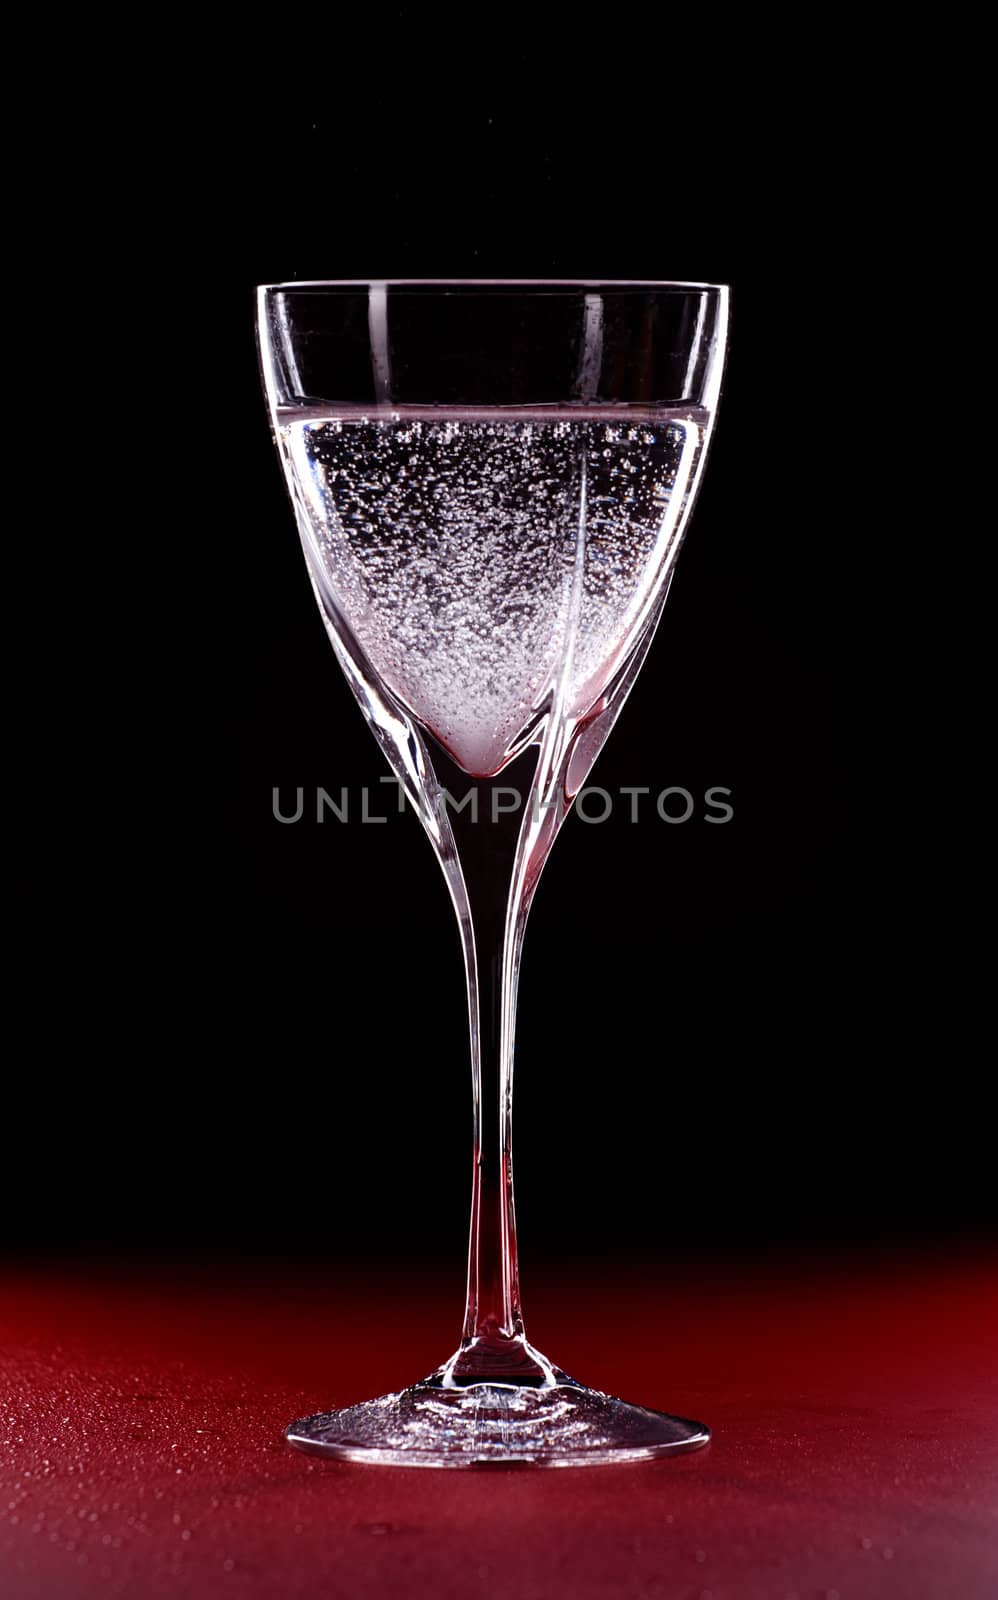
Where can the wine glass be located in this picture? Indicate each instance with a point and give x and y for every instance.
(491, 481)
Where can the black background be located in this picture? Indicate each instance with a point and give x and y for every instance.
(250, 1037)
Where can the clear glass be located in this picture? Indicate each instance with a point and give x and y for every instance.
(491, 481)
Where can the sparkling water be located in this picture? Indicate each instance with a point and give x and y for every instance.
(489, 563)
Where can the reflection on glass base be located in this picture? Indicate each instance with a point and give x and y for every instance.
(492, 1424)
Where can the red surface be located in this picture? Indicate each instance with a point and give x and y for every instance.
(855, 1409)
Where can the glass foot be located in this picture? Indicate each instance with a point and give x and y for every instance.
(562, 1424)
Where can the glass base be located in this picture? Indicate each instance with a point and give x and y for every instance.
(433, 1424)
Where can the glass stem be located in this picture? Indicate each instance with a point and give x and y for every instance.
(492, 1311)
(489, 871)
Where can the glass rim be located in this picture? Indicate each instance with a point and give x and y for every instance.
(490, 283)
